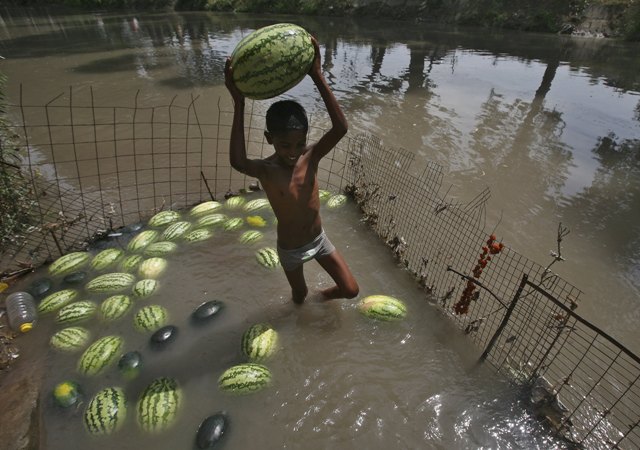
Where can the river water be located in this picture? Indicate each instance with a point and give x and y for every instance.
(551, 124)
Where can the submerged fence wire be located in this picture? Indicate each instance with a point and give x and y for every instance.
(96, 168)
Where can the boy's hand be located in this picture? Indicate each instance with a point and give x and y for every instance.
(316, 69)
(228, 81)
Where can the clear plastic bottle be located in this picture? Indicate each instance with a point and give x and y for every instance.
(21, 309)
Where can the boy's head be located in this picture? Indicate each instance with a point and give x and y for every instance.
(287, 127)
(286, 115)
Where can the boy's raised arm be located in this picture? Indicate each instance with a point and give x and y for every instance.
(237, 147)
(339, 125)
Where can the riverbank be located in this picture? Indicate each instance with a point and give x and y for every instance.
(599, 18)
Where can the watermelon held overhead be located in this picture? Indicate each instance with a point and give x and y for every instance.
(272, 60)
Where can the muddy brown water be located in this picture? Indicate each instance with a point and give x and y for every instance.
(549, 123)
(340, 380)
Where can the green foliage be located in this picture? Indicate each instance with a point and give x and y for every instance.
(16, 195)
(631, 30)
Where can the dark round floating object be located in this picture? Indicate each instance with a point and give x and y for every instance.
(132, 228)
(40, 287)
(130, 364)
(164, 335)
(75, 278)
(211, 430)
(207, 310)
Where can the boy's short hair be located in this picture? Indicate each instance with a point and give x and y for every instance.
(286, 115)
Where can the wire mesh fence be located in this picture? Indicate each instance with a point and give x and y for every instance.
(97, 168)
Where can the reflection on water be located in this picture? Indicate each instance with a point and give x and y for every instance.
(550, 123)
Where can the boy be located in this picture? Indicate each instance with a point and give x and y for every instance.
(289, 178)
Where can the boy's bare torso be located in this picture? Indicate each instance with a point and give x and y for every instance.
(293, 194)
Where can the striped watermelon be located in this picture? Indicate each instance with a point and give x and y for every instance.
(271, 60)
(106, 259)
(69, 263)
(115, 307)
(106, 412)
(324, 195)
(251, 236)
(110, 283)
(256, 204)
(233, 224)
(234, 202)
(57, 300)
(100, 355)
(244, 378)
(211, 220)
(130, 263)
(150, 318)
(144, 288)
(259, 342)
(268, 257)
(66, 393)
(382, 307)
(256, 221)
(199, 235)
(152, 267)
(336, 201)
(164, 218)
(160, 248)
(159, 404)
(176, 230)
(205, 208)
(70, 339)
(76, 312)
(142, 240)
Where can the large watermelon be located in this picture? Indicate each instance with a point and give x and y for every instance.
(70, 339)
(150, 318)
(382, 307)
(106, 412)
(259, 342)
(100, 355)
(244, 378)
(268, 257)
(159, 404)
(57, 300)
(76, 312)
(271, 60)
(69, 263)
(106, 259)
(115, 307)
(110, 283)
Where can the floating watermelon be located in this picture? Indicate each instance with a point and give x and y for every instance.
(244, 378)
(69, 263)
(106, 412)
(100, 355)
(70, 339)
(57, 300)
(66, 393)
(272, 60)
(268, 257)
(382, 307)
(159, 404)
(259, 342)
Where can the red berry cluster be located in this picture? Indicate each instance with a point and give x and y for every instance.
(492, 248)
